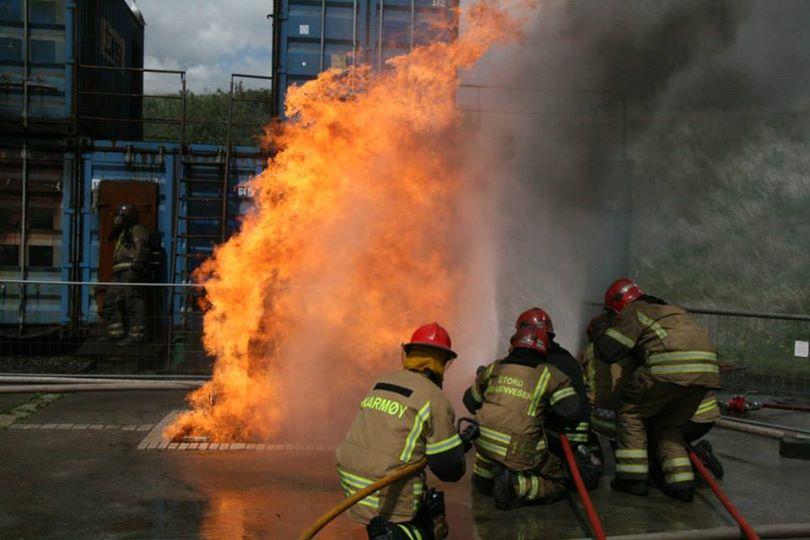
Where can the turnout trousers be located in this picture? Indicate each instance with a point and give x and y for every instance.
(544, 483)
(664, 409)
(125, 307)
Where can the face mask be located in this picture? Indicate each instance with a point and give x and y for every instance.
(426, 359)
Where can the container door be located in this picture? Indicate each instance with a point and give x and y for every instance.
(111, 193)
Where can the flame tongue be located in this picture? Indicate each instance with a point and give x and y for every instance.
(350, 244)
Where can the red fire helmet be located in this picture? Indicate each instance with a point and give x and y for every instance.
(535, 317)
(431, 335)
(620, 293)
(530, 337)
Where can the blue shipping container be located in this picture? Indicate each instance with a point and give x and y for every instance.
(43, 43)
(312, 36)
(115, 161)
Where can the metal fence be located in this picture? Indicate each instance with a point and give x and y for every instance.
(125, 328)
(758, 351)
(39, 334)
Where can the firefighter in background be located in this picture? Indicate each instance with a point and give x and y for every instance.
(602, 385)
(589, 463)
(403, 418)
(125, 306)
(675, 365)
(512, 399)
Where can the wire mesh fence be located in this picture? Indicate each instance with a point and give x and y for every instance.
(761, 352)
(123, 328)
(158, 328)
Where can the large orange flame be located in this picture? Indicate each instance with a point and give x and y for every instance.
(350, 245)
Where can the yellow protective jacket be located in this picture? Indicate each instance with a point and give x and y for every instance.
(404, 418)
(515, 396)
(663, 339)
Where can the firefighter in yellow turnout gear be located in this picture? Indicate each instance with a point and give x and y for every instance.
(602, 384)
(669, 365)
(125, 305)
(405, 417)
(512, 398)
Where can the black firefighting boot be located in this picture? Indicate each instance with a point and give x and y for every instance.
(682, 493)
(131, 340)
(704, 451)
(590, 468)
(380, 528)
(503, 491)
(482, 485)
(633, 487)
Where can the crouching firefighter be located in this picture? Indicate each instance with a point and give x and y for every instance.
(603, 382)
(676, 365)
(586, 448)
(405, 417)
(512, 398)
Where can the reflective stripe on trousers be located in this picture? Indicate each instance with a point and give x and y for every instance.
(631, 463)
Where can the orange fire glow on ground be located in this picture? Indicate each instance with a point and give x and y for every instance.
(350, 247)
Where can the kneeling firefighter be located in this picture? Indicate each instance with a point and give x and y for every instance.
(675, 365)
(405, 417)
(512, 399)
(588, 460)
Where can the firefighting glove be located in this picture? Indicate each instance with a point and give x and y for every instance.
(598, 326)
(470, 433)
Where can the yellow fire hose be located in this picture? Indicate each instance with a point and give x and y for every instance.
(399, 474)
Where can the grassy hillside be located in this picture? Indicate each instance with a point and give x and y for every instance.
(722, 210)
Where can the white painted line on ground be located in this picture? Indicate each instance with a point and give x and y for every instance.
(93, 427)
(155, 440)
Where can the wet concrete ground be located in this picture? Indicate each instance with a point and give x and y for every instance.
(92, 482)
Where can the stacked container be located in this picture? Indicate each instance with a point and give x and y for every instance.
(310, 37)
(60, 59)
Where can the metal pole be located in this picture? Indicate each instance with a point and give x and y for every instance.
(354, 43)
(323, 33)
(178, 171)
(101, 283)
(413, 20)
(25, 64)
(23, 254)
(354, 34)
(74, 292)
(226, 174)
(380, 37)
(775, 530)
